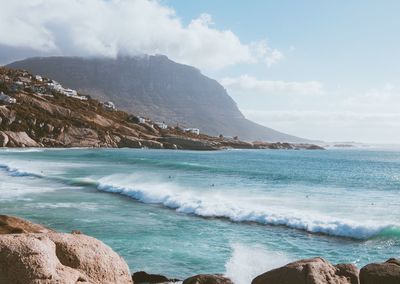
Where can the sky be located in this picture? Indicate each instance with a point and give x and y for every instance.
(319, 69)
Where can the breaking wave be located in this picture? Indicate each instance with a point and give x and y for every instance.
(218, 204)
(237, 209)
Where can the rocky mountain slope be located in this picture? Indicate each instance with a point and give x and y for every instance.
(156, 87)
(38, 112)
(31, 253)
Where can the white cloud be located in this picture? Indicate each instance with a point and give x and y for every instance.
(374, 127)
(385, 98)
(252, 85)
(108, 28)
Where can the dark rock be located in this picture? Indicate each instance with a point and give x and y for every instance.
(129, 142)
(381, 273)
(207, 279)
(49, 127)
(151, 144)
(143, 277)
(310, 271)
(190, 144)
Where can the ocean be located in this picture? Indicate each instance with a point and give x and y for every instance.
(237, 212)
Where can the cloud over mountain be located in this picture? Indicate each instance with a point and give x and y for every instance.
(252, 85)
(128, 27)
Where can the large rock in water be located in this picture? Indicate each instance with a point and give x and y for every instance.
(207, 279)
(142, 277)
(49, 257)
(310, 271)
(381, 273)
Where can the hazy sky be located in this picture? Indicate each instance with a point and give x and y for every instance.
(317, 69)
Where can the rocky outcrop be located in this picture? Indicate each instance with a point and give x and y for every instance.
(59, 258)
(381, 273)
(13, 225)
(310, 271)
(79, 137)
(190, 143)
(3, 139)
(207, 279)
(16, 139)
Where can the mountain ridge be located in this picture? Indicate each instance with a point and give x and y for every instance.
(158, 88)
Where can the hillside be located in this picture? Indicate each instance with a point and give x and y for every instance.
(39, 112)
(156, 87)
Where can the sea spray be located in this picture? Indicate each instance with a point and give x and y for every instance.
(247, 262)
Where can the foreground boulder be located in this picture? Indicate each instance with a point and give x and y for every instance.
(310, 271)
(207, 279)
(381, 273)
(50, 257)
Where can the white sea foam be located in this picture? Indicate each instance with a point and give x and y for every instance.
(238, 208)
(247, 262)
(21, 188)
(68, 205)
(23, 150)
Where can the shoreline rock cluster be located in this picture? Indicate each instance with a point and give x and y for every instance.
(31, 253)
(41, 116)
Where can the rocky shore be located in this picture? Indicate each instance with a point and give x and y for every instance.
(38, 112)
(31, 253)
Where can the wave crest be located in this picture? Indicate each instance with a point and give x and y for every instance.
(214, 204)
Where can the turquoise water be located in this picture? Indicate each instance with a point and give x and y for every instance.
(238, 212)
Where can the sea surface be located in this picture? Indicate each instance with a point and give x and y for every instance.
(237, 212)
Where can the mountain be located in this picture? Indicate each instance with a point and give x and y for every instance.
(157, 88)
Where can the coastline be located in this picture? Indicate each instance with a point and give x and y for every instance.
(41, 113)
(81, 258)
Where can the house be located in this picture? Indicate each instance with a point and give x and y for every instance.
(55, 86)
(161, 125)
(141, 119)
(7, 99)
(69, 92)
(193, 130)
(39, 78)
(109, 106)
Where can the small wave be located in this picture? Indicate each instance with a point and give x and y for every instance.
(22, 150)
(238, 210)
(18, 173)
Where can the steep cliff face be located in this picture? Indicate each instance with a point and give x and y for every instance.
(158, 88)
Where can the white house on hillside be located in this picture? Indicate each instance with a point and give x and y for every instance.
(161, 125)
(193, 130)
(109, 106)
(7, 99)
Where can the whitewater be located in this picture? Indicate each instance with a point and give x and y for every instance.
(182, 212)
